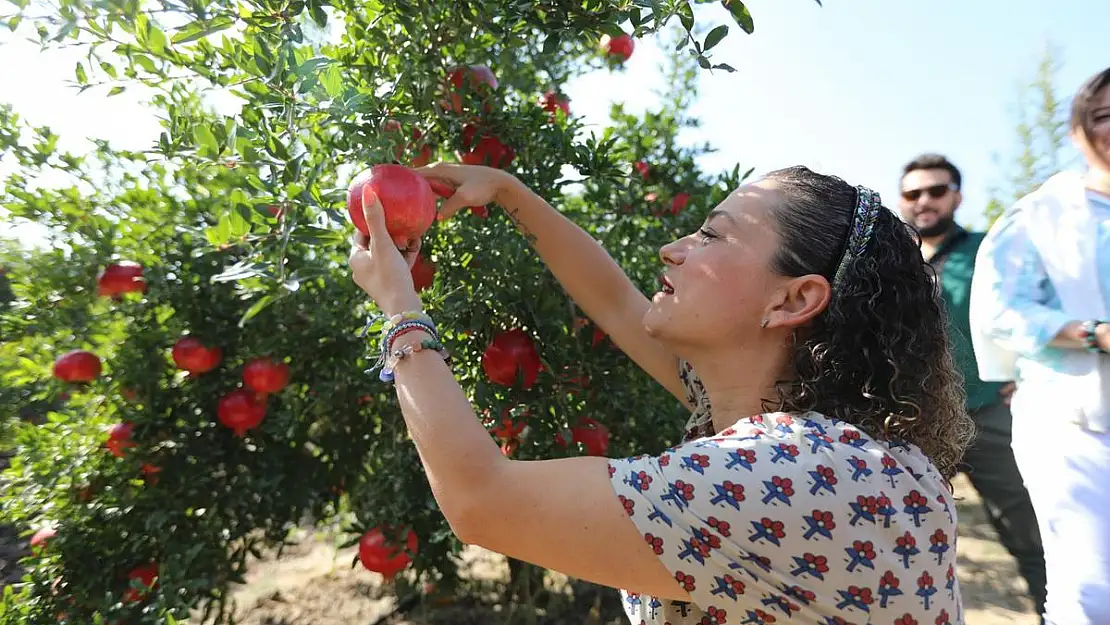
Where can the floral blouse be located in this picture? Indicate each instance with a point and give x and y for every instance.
(793, 518)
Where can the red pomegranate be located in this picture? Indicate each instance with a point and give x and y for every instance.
(598, 338)
(265, 375)
(379, 555)
(679, 202)
(77, 366)
(488, 150)
(424, 151)
(150, 473)
(593, 435)
(119, 439)
(478, 78)
(552, 101)
(145, 577)
(193, 356)
(643, 169)
(241, 410)
(423, 273)
(511, 352)
(406, 197)
(41, 537)
(618, 48)
(119, 278)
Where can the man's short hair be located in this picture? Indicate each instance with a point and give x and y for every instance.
(934, 161)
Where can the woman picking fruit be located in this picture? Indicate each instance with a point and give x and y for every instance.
(814, 491)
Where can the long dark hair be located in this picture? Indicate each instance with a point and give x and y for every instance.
(878, 356)
(1081, 105)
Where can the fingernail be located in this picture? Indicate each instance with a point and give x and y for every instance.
(368, 196)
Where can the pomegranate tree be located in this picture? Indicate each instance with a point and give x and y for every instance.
(231, 400)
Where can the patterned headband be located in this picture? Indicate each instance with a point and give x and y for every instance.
(859, 233)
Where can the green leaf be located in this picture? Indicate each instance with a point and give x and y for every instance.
(202, 28)
(258, 307)
(205, 139)
(332, 80)
(318, 236)
(116, 90)
(740, 14)
(219, 234)
(686, 15)
(156, 39)
(240, 271)
(239, 227)
(704, 62)
(82, 77)
(145, 62)
(551, 43)
(714, 37)
(725, 66)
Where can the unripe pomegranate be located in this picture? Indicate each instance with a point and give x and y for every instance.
(265, 375)
(119, 439)
(77, 366)
(241, 410)
(378, 554)
(619, 48)
(406, 198)
(193, 356)
(119, 278)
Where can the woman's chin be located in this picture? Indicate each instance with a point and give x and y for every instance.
(656, 320)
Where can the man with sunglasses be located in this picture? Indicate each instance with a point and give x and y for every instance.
(930, 197)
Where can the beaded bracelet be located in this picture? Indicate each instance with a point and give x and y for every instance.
(1089, 335)
(407, 350)
(389, 335)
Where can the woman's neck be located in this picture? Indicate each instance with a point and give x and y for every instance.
(737, 387)
(1098, 180)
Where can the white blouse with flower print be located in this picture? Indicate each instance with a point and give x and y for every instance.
(794, 518)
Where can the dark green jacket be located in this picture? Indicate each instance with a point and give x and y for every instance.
(955, 261)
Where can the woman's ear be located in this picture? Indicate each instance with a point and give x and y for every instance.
(798, 301)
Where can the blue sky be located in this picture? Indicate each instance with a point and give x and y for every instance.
(854, 88)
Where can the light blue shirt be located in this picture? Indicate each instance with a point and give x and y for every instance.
(1034, 313)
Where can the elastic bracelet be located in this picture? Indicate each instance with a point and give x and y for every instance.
(410, 315)
(1089, 335)
(397, 355)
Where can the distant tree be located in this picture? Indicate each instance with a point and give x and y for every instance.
(1042, 136)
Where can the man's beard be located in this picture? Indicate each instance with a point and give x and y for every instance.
(940, 228)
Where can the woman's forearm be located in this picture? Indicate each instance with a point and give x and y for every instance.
(1074, 336)
(459, 457)
(589, 274)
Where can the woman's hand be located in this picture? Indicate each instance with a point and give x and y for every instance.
(383, 271)
(465, 185)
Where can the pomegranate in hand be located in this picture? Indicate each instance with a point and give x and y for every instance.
(406, 197)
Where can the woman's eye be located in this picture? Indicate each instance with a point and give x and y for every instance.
(705, 235)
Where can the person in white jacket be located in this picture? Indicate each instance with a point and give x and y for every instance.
(1040, 315)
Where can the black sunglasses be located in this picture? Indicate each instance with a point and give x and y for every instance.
(936, 191)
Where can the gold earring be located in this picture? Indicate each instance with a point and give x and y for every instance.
(763, 324)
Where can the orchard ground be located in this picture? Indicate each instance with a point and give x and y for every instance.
(313, 584)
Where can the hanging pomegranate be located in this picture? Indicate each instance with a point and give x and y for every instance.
(378, 554)
(241, 410)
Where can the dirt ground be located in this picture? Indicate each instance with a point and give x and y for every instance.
(315, 585)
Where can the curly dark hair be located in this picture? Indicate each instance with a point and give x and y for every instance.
(878, 357)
